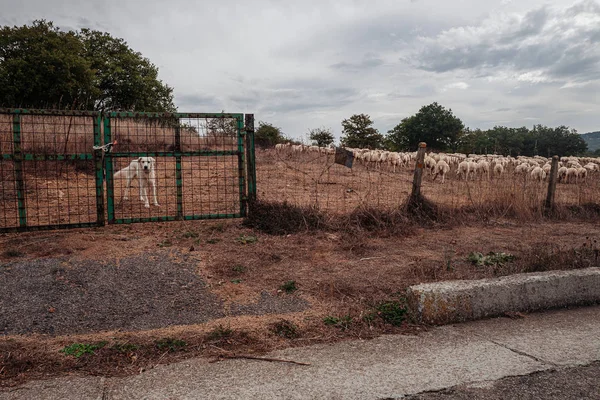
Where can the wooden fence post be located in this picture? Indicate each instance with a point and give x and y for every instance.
(549, 205)
(418, 177)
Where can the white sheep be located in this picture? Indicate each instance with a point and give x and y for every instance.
(538, 174)
(498, 170)
(484, 167)
(562, 174)
(442, 168)
(571, 173)
(463, 169)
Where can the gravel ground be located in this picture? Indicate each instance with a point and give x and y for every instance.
(54, 296)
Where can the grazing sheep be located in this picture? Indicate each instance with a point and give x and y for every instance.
(484, 167)
(522, 169)
(582, 173)
(498, 170)
(562, 174)
(572, 173)
(430, 164)
(442, 168)
(463, 169)
(538, 174)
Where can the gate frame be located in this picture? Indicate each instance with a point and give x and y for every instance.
(178, 154)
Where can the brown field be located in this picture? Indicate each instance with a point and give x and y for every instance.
(315, 180)
(219, 285)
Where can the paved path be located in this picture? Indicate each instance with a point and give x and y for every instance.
(387, 367)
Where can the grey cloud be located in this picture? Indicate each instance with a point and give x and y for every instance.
(312, 99)
(537, 43)
(369, 62)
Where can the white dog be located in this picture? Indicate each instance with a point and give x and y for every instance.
(143, 169)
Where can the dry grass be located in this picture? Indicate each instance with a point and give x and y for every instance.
(314, 181)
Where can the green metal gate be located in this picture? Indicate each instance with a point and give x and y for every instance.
(51, 177)
(192, 153)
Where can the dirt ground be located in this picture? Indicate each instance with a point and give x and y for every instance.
(219, 286)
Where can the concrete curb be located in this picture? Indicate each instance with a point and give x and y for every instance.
(456, 301)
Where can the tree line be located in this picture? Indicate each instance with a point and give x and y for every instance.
(443, 131)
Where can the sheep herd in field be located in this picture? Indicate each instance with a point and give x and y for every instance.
(466, 167)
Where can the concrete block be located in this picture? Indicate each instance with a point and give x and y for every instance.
(456, 301)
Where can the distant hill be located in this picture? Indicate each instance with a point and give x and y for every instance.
(592, 139)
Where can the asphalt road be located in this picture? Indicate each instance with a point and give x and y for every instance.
(577, 383)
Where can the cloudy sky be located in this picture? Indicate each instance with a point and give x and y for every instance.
(312, 63)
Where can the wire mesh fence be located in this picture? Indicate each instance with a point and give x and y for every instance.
(48, 170)
(156, 167)
(308, 176)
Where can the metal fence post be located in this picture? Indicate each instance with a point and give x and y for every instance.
(108, 163)
(178, 176)
(18, 165)
(98, 156)
(416, 188)
(549, 205)
(250, 157)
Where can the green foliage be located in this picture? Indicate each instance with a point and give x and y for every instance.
(79, 349)
(391, 312)
(494, 259)
(125, 347)
(40, 66)
(433, 124)
(222, 126)
(44, 67)
(289, 287)
(321, 136)
(246, 239)
(343, 322)
(13, 253)
(219, 333)
(357, 132)
(170, 344)
(540, 140)
(268, 135)
(286, 329)
(239, 269)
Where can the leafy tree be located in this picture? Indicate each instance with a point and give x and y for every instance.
(40, 66)
(433, 124)
(358, 133)
(268, 135)
(44, 67)
(541, 140)
(321, 136)
(125, 78)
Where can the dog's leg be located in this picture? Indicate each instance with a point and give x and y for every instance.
(153, 183)
(143, 193)
(127, 186)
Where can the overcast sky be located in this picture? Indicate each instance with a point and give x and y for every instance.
(312, 63)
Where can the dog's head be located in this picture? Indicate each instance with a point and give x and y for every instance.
(146, 163)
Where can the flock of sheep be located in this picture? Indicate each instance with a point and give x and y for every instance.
(471, 166)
